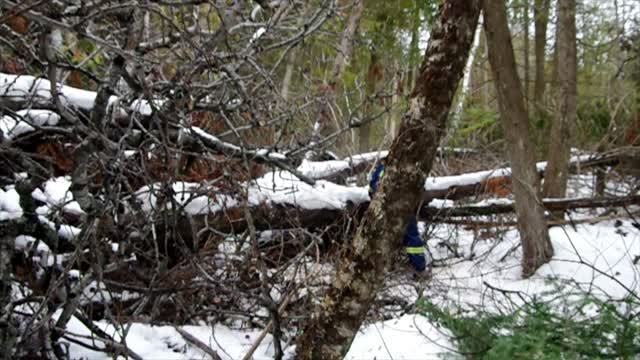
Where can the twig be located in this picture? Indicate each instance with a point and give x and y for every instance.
(197, 343)
(267, 328)
(104, 337)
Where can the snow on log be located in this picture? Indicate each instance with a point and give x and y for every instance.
(23, 121)
(21, 89)
(335, 170)
(456, 187)
(276, 159)
(279, 216)
(275, 188)
(504, 206)
(280, 200)
(339, 170)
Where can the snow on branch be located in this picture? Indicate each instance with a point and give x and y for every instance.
(335, 170)
(260, 155)
(10, 208)
(332, 169)
(29, 89)
(23, 121)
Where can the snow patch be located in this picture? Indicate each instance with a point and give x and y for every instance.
(56, 194)
(164, 342)
(10, 208)
(408, 337)
(24, 122)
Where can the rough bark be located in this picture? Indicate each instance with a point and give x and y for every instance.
(536, 245)
(541, 19)
(8, 332)
(362, 268)
(555, 183)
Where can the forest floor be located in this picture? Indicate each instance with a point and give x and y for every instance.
(476, 269)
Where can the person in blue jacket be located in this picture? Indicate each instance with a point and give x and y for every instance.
(412, 242)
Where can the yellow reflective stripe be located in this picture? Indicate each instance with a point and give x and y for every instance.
(414, 250)
(381, 174)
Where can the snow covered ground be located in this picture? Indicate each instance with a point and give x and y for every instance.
(596, 258)
(475, 269)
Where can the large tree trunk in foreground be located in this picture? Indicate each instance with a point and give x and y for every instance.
(362, 268)
(541, 18)
(555, 182)
(536, 245)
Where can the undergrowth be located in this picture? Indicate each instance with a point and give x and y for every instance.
(591, 328)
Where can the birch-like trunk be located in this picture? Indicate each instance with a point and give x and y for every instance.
(288, 74)
(467, 88)
(346, 43)
(532, 226)
(366, 259)
(327, 92)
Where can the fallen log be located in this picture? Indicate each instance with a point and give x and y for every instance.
(287, 216)
(470, 223)
(288, 210)
(339, 170)
(498, 181)
(435, 214)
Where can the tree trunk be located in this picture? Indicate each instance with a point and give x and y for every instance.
(468, 87)
(555, 183)
(536, 245)
(346, 44)
(414, 49)
(7, 330)
(479, 84)
(373, 77)
(541, 18)
(362, 268)
(327, 91)
(288, 74)
(394, 116)
(525, 19)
